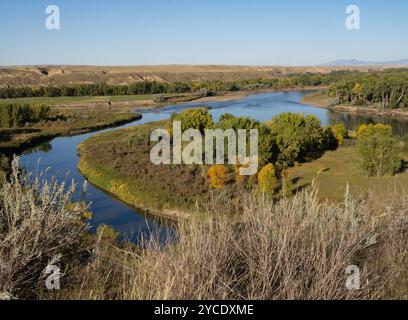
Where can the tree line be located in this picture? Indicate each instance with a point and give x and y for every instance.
(16, 115)
(284, 140)
(154, 87)
(387, 89)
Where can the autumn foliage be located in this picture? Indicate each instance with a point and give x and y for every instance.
(267, 178)
(217, 175)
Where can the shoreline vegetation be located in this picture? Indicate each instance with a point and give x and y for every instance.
(17, 140)
(383, 94)
(321, 100)
(153, 198)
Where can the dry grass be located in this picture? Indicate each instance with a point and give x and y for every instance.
(294, 248)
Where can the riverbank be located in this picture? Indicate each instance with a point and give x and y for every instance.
(118, 162)
(17, 140)
(126, 103)
(323, 101)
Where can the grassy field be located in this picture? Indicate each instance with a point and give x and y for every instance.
(337, 169)
(80, 100)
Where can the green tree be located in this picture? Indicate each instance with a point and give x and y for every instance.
(299, 137)
(197, 118)
(267, 148)
(379, 152)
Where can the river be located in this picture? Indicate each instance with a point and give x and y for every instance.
(60, 155)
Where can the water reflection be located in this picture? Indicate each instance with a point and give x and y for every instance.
(352, 121)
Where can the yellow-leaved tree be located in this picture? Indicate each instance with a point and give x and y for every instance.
(267, 179)
(217, 174)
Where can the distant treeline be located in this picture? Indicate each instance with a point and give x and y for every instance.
(16, 115)
(386, 89)
(152, 87)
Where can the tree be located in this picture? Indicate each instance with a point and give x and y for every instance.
(378, 151)
(357, 90)
(299, 137)
(14, 114)
(197, 118)
(340, 132)
(369, 129)
(267, 148)
(267, 179)
(217, 175)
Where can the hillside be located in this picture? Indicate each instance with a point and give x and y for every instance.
(66, 75)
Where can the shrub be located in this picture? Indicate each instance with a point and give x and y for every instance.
(378, 151)
(267, 179)
(217, 175)
(369, 129)
(4, 168)
(340, 132)
(39, 225)
(106, 232)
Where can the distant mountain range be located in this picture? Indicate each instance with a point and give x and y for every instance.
(357, 63)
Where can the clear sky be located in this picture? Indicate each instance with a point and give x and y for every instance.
(246, 32)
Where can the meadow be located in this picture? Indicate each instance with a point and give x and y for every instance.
(338, 172)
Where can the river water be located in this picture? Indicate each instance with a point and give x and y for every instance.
(61, 159)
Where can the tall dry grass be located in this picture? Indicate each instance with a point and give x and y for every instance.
(294, 248)
(297, 248)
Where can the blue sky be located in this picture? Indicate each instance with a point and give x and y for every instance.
(250, 32)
